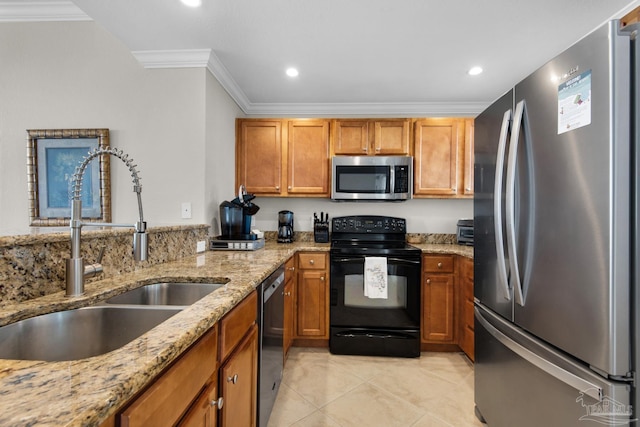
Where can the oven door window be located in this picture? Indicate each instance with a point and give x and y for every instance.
(354, 293)
(363, 179)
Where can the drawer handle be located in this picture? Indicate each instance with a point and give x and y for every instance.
(287, 294)
(439, 265)
(218, 403)
(311, 262)
(291, 268)
(233, 379)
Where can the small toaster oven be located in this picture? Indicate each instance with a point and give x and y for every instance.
(465, 232)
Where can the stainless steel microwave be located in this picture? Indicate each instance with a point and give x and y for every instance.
(358, 178)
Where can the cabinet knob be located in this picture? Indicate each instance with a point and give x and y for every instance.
(218, 403)
(277, 187)
(439, 265)
(289, 188)
(311, 262)
(322, 278)
(287, 294)
(291, 268)
(428, 281)
(233, 379)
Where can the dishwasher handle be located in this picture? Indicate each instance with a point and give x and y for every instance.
(271, 285)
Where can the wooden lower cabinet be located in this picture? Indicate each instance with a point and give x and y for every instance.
(438, 299)
(465, 306)
(204, 412)
(312, 296)
(238, 383)
(165, 401)
(289, 304)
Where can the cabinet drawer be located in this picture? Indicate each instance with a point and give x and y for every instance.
(235, 324)
(164, 402)
(438, 264)
(315, 261)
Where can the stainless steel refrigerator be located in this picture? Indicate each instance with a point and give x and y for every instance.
(555, 230)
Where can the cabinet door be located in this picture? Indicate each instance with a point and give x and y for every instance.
(259, 156)
(391, 137)
(169, 397)
(351, 137)
(204, 411)
(313, 304)
(438, 306)
(308, 157)
(466, 320)
(289, 303)
(238, 383)
(468, 157)
(436, 144)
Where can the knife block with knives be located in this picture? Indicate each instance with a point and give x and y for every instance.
(321, 228)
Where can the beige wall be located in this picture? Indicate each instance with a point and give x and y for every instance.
(76, 75)
(178, 124)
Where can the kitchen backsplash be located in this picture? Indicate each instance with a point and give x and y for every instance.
(34, 265)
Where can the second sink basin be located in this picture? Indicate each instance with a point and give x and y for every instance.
(166, 294)
(80, 333)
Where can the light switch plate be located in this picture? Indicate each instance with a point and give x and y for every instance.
(201, 246)
(186, 210)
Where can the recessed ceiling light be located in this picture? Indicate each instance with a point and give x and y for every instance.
(474, 71)
(292, 72)
(192, 3)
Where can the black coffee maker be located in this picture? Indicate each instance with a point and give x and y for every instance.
(285, 227)
(235, 217)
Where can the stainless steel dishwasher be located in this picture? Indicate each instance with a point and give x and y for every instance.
(270, 353)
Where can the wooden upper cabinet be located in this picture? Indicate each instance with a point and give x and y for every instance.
(308, 157)
(443, 150)
(436, 154)
(259, 156)
(372, 137)
(351, 137)
(391, 137)
(467, 179)
(281, 157)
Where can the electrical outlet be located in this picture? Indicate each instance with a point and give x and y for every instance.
(201, 246)
(186, 210)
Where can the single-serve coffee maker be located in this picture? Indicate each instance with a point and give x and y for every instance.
(285, 227)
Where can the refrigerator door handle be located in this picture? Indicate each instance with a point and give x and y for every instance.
(497, 206)
(519, 117)
(580, 384)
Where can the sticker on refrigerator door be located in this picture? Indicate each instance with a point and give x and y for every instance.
(574, 103)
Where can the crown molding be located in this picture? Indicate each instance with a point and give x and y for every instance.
(39, 11)
(396, 109)
(183, 58)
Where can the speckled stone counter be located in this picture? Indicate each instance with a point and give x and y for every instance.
(86, 392)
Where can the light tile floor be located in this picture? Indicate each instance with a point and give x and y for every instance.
(320, 389)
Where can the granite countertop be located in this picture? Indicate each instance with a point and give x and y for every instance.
(87, 391)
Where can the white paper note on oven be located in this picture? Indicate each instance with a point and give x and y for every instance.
(375, 277)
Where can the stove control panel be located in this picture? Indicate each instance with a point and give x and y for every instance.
(368, 224)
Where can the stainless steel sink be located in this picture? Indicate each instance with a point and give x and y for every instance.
(166, 294)
(80, 333)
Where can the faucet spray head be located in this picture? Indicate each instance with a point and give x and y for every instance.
(140, 242)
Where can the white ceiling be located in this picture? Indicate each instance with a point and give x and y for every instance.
(398, 57)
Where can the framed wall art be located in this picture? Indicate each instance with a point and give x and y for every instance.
(52, 158)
